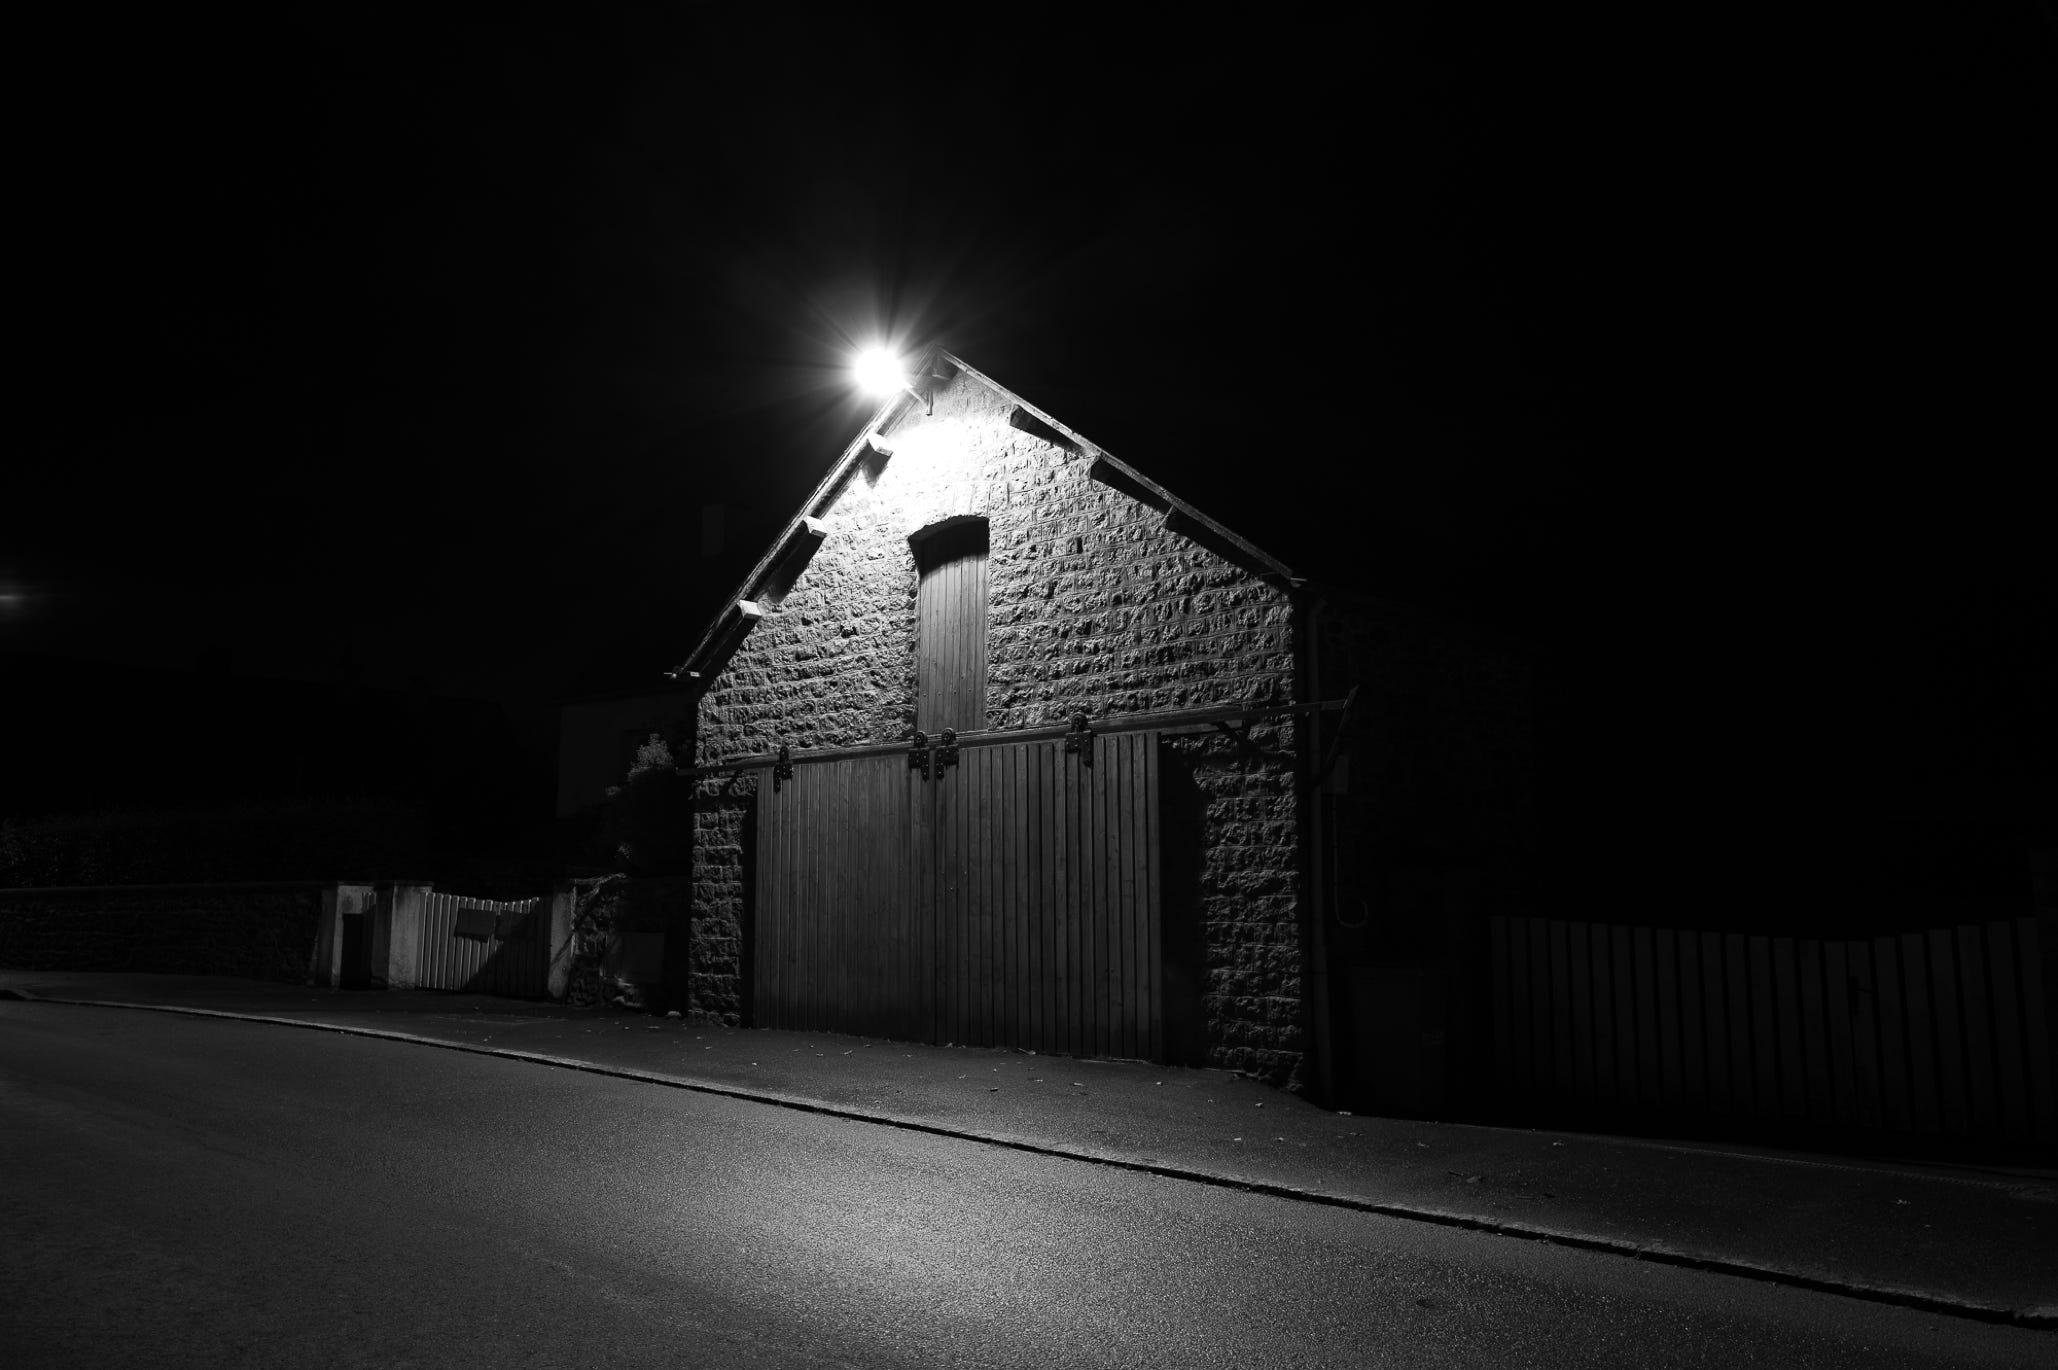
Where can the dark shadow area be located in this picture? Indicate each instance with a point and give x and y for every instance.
(357, 952)
(1395, 911)
(1661, 1123)
(1181, 809)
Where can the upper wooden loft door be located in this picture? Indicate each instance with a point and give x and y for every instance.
(950, 628)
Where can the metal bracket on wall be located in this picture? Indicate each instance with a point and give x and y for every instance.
(1079, 741)
(1242, 738)
(782, 769)
(1343, 729)
(918, 759)
(947, 749)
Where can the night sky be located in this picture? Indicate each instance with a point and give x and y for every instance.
(1711, 366)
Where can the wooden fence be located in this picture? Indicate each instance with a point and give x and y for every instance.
(1945, 1031)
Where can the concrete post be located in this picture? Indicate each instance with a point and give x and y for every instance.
(397, 934)
(378, 935)
(563, 902)
(321, 964)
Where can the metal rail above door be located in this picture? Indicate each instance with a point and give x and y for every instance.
(1171, 722)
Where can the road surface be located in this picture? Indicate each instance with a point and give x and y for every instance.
(178, 1191)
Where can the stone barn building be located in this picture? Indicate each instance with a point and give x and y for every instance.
(1003, 743)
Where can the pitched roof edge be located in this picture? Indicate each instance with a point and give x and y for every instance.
(1171, 502)
(889, 410)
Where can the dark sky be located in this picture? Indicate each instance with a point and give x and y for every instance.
(1712, 363)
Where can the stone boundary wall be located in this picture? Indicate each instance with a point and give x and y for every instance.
(265, 933)
(608, 935)
(1095, 607)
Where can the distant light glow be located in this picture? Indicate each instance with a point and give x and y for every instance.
(879, 372)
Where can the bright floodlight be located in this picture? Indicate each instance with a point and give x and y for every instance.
(878, 371)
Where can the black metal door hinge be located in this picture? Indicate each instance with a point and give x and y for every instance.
(918, 758)
(1079, 742)
(782, 769)
(947, 749)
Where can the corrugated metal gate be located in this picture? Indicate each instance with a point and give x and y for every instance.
(1009, 899)
(484, 946)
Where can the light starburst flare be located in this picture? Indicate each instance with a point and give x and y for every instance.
(879, 372)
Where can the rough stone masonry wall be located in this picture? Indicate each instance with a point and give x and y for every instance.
(258, 934)
(1248, 894)
(1094, 607)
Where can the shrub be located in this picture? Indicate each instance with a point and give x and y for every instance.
(648, 821)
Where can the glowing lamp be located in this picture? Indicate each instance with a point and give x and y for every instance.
(879, 372)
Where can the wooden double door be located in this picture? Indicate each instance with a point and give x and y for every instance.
(1011, 898)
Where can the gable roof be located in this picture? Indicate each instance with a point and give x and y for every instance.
(806, 528)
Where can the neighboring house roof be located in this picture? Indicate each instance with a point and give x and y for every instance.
(806, 528)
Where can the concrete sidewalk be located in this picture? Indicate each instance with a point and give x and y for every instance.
(1955, 1240)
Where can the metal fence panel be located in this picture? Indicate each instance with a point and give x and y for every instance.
(484, 946)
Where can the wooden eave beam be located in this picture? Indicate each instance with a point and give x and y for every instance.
(1189, 522)
(799, 545)
(728, 631)
(1024, 420)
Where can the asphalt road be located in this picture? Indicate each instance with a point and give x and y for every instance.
(190, 1192)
